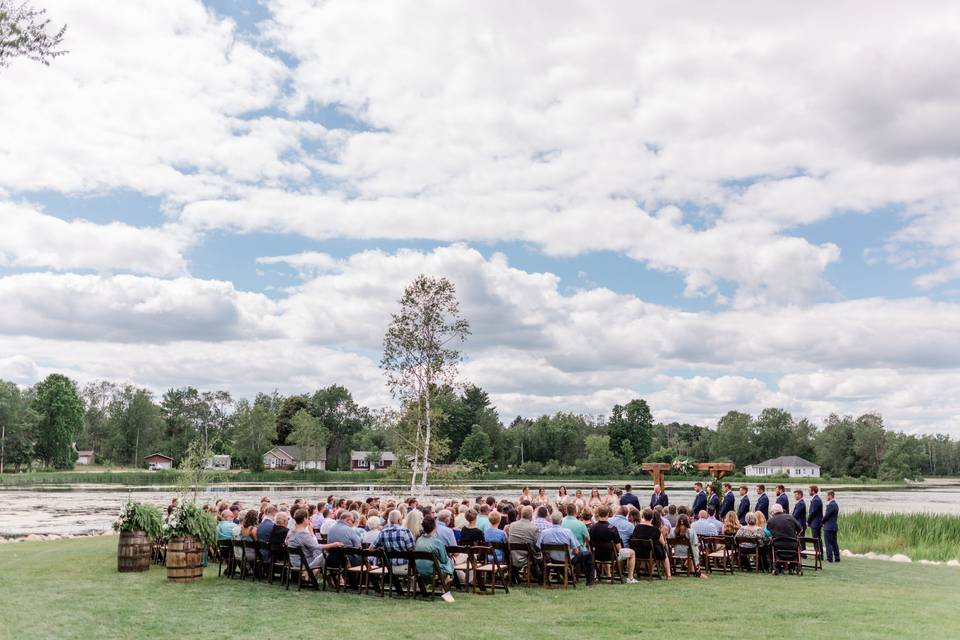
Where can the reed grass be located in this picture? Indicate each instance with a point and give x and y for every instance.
(916, 535)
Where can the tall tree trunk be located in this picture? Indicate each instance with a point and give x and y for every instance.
(426, 447)
(416, 459)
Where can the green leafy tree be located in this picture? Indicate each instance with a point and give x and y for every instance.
(255, 428)
(309, 434)
(18, 424)
(834, 446)
(476, 447)
(342, 418)
(419, 356)
(25, 32)
(632, 422)
(289, 407)
(627, 453)
(903, 457)
(60, 410)
(734, 439)
(869, 445)
(600, 460)
(773, 429)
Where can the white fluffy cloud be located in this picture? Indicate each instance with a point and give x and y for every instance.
(31, 238)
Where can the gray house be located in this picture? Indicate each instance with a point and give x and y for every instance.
(793, 466)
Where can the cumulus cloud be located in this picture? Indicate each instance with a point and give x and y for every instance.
(31, 238)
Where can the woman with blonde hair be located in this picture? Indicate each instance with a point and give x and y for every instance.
(730, 524)
(414, 522)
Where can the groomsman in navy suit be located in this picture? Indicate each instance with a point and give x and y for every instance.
(699, 500)
(729, 503)
(800, 514)
(815, 514)
(831, 514)
(763, 502)
(713, 500)
(744, 507)
(783, 500)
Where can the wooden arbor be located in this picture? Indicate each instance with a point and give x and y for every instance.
(657, 469)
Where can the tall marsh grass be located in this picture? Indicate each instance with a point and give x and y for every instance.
(917, 535)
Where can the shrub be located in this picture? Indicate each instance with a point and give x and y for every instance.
(140, 516)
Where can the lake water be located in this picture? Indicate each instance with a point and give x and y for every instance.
(86, 509)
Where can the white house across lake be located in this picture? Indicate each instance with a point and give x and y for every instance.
(290, 457)
(793, 466)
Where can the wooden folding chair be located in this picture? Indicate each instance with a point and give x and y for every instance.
(279, 562)
(302, 571)
(487, 563)
(225, 551)
(788, 557)
(239, 559)
(336, 567)
(435, 576)
(463, 562)
(372, 564)
(750, 559)
(551, 566)
(522, 571)
(644, 552)
(400, 577)
(714, 553)
(680, 564)
(608, 570)
(813, 550)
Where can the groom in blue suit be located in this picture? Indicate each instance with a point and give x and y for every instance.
(815, 514)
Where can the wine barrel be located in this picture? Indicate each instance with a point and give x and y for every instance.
(184, 559)
(133, 551)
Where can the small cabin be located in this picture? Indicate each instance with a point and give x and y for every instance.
(291, 457)
(219, 462)
(85, 457)
(159, 461)
(364, 461)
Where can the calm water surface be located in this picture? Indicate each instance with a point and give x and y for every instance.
(85, 509)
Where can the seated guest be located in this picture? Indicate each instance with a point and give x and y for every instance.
(374, 526)
(555, 534)
(542, 521)
(683, 531)
(428, 541)
(712, 517)
(784, 532)
(603, 532)
(303, 537)
(523, 531)
(731, 524)
(413, 522)
(267, 522)
(278, 534)
(670, 515)
(248, 533)
(586, 516)
(470, 533)
(395, 539)
(495, 534)
(647, 530)
(703, 527)
(752, 531)
(346, 534)
(226, 525)
(327, 523)
(577, 528)
(444, 532)
(483, 517)
(621, 522)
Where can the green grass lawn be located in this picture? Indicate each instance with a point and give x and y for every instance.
(70, 589)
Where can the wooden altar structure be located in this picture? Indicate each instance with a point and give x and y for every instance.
(716, 469)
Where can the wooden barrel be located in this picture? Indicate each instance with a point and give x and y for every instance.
(184, 559)
(133, 551)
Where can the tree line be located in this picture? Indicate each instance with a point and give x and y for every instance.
(44, 425)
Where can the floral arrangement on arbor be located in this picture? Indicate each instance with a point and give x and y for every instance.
(188, 519)
(139, 516)
(682, 466)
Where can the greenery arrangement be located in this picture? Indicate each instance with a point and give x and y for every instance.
(140, 516)
(188, 519)
(919, 536)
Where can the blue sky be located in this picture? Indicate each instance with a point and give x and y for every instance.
(706, 222)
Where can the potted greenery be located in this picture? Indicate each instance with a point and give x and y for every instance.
(138, 523)
(189, 531)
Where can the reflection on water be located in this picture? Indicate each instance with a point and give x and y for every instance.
(84, 509)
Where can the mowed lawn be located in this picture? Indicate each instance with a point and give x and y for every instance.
(70, 589)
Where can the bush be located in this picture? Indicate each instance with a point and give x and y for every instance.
(140, 516)
(531, 468)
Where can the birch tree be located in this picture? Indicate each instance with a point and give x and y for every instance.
(419, 354)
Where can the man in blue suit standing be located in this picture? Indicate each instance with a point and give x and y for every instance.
(831, 514)
(628, 499)
(783, 500)
(728, 501)
(713, 500)
(815, 514)
(699, 499)
(763, 502)
(744, 507)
